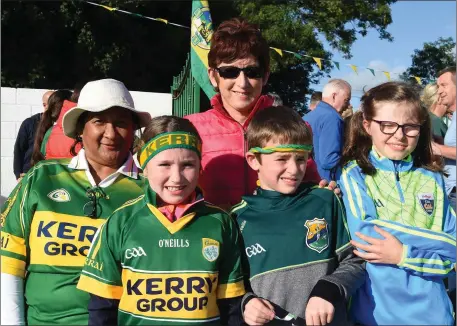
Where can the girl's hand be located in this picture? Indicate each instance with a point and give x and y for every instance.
(319, 312)
(258, 312)
(379, 251)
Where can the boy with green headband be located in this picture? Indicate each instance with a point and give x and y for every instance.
(167, 257)
(297, 250)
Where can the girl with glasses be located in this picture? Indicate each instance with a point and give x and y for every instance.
(167, 257)
(398, 212)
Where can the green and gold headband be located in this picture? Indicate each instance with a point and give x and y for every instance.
(168, 140)
(281, 148)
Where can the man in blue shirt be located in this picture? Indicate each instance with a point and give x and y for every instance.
(328, 127)
(447, 91)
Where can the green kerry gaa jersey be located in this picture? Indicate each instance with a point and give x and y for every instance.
(297, 246)
(165, 273)
(45, 237)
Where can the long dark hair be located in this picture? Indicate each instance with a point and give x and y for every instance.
(358, 142)
(48, 119)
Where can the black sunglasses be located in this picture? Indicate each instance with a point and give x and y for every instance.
(90, 208)
(230, 72)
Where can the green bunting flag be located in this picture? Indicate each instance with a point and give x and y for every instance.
(337, 64)
(372, 71)
(200, 38)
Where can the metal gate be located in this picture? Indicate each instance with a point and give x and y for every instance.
(185, 92)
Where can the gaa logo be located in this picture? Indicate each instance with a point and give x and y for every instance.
(255, 249)
(134, 253)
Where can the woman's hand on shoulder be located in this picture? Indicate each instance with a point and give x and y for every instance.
(330, 186)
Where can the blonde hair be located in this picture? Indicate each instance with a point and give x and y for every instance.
(429, 96)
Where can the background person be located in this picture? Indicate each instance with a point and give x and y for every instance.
(47, 121)
(432, 101)
(23, 147)
(52, 215)
(328, 127)
(316, 97)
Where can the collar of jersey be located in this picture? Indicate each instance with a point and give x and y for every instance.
(270, 200)
(172, 227)
(129, 169)
(384, 163)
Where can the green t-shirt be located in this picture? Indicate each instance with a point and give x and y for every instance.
(46, 236)
(439, 128)
(165, 273)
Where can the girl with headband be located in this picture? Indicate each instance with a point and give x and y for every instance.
(166, 257)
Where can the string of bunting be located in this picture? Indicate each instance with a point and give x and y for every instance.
(281, 52)
(355, 68)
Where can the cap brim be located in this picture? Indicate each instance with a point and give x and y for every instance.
(71, 118)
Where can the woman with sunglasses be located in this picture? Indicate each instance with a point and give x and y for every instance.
(239, 66)
(52, 215)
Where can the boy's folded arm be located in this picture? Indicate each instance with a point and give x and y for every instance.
(345, 280)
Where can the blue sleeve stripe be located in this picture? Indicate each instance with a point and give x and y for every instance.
(428, 261)
(348, 194)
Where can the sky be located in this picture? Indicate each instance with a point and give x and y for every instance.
(413, 24)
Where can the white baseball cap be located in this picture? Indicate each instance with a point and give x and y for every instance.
(98, 96)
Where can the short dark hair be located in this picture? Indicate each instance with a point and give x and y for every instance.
(238, 39)
(446, 70)
(279, 123)
(315, 97)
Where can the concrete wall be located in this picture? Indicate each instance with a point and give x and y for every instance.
(17, 104)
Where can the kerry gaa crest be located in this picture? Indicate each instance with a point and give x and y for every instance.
(427, 202)
(210, 249)
(59, 195)
(317, 235)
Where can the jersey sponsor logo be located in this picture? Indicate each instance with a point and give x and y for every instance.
(174, 243)
(61, 240)
(210, 249)
(60, 195)
(9, 204)
(427, 202)
(317, 238)
(254, 250)
(134, 253)
(176, 295)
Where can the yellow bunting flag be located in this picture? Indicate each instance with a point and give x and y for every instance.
(387, 74)
(277, 50)
(319, 62)
(354, 68)
(109, 8)
(418, 79)
(162, 20)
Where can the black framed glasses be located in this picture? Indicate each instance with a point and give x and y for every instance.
(90, 208)
(390, 128)
(231, 72)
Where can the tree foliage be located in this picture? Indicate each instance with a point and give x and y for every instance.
(54, 44)
(432, 58)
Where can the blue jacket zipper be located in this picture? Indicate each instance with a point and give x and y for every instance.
(397, 183)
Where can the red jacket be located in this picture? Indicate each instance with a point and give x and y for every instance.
(58, 145)
(226, 175)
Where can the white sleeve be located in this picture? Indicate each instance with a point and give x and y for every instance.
(12, 294)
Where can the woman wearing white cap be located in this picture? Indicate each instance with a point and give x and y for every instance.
(52, 215)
